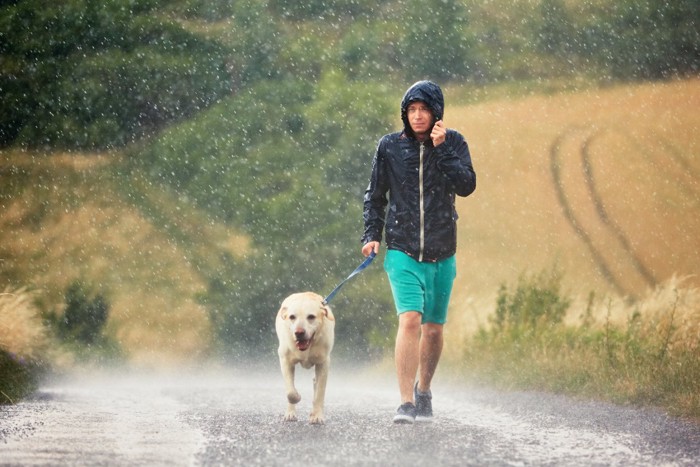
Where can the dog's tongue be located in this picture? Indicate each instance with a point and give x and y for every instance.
(303, 345)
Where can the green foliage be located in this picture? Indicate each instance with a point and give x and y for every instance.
(433, 41)
(81, 326)
(254, 43)
(648, 39)
(81, 75)
(321, 9)
(18, 377)
(208, 10)
(555, 29)
(641, 362)
(287, 164)
(93, 77)
(535, 304)
(84, 317)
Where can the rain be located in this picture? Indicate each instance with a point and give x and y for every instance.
(170, 171)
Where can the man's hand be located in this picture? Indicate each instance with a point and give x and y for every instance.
(369, 247)
(438, 133)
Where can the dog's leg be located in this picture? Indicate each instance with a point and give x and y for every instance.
(292, 394)
(319, 393)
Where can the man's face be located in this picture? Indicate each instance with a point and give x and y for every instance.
(420, 117)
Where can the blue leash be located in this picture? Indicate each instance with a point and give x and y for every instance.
(359, 269)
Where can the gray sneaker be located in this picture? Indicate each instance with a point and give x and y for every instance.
(406, 413)
(424, 405)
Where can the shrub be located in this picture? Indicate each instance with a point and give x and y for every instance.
(18, 377)
(81, 325)
(22, 345)
(536, 302)
(84, 316)
(646, 352)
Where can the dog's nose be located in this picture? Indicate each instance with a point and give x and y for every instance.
(299, 333)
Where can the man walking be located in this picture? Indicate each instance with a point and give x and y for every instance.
(421, 169)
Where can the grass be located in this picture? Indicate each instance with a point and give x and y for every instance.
(79, 220)
(652, 358)
(66, 217)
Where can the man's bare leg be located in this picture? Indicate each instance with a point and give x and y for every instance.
(406, 353)
(430, 349)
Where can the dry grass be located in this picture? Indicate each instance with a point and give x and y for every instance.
(21, 331)
(645, 353)
(75, 221)
(604, 186)
(641, 143)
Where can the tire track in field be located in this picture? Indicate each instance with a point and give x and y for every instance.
(669, 157)
(617, 247)
(555, 168)
(605, 218)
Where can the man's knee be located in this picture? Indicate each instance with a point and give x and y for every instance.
(410, 321)
(432, 331)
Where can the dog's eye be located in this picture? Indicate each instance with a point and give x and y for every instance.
(292, 317)
(311, 317)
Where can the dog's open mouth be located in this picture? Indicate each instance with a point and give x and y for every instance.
(303, 344)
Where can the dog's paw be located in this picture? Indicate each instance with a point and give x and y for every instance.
(290, 417)
(316, 419)
(293, 397)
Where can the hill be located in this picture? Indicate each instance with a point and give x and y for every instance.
(604, 185)
(68, 217)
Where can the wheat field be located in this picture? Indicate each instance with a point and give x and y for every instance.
(603, 185)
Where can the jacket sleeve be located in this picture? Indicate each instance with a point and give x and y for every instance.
(455, 163)
(375, 199)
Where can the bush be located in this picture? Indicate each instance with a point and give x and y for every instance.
(81, 325)
(18, 377)
(536, 303)
(84, 316)
(22, 345)
(651, 358)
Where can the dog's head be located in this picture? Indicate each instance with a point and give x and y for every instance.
(304, 314)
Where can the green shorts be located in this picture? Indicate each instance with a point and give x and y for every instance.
(421, 287)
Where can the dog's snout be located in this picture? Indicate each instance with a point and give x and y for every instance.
(299, 333)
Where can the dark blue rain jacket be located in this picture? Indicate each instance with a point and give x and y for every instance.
(421, 181)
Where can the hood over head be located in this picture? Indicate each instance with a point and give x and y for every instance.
(424, 91)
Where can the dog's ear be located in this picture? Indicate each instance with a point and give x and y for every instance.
(327, 312)
(283, 313)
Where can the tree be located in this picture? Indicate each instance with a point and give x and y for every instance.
(433, 40)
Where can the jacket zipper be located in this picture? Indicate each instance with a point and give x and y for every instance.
(422, 214)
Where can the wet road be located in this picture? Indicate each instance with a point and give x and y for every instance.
(228, 417)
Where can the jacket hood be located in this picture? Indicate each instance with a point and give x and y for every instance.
(424, 91)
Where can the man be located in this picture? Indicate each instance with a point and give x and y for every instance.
(421, 168)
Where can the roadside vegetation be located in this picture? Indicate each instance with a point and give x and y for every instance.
(644, 353)
(23, 344)
(170, 170)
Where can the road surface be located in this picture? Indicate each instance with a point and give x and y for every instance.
(232, 417)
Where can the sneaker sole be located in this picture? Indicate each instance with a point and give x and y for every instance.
(403, 419)
(423, 419)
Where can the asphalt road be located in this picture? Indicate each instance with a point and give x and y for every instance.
(233, 417)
